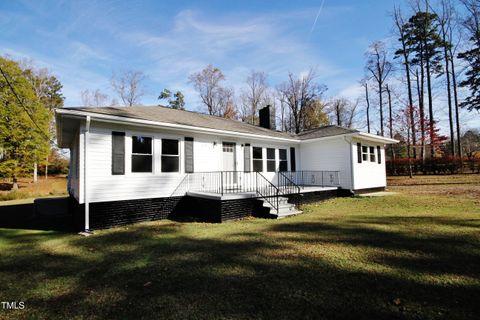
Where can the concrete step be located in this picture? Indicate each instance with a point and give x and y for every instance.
(285, 209)
(281, 206)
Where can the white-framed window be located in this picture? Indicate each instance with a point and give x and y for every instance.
(142, 154)
(257, 159)
(364, 153)
(271, 160)
(282, 153)
(170, 155)
(372, 154)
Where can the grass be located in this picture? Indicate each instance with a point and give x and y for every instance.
(53, 186)
(414, 255)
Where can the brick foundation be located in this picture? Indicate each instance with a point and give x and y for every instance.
(117, 213)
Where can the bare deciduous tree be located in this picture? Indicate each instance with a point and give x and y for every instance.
(94, 98)
(129, 86)
(379, 68)
(208, 85)
(254, 95)
(226, 103)
(343, 111)
(297, 93)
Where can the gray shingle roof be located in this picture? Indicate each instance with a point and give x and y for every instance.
(181, 117)
(195, 119)
(325, 131)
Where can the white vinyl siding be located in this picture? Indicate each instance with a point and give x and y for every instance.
(369, 173)
(329, 155)
(103, 186)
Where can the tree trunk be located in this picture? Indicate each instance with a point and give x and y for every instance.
(390, 121)
(46, 169)
(380, 91)
(15, 182)
(368, 107)
(422, 114)
(390, 111)
(430, 107)
(449, 97)
(35, 170)
(457, 116)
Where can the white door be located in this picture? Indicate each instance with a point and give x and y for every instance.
(229, 176)
(228, 156)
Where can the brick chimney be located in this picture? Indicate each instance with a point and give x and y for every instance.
(267, 118)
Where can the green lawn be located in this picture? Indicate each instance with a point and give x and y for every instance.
(408, 256)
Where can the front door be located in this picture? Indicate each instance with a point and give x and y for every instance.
(229, 167)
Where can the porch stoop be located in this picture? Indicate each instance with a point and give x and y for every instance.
(285, 209)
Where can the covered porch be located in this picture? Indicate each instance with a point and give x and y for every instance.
(223, 183)
(274, 188)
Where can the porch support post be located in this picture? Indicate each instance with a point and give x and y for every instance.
(85, 179)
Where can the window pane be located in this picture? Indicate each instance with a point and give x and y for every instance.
(257, 153)
(271, 166)
(169, 164)
(364, 149)
(365, 157)
(372, 158)
(141, 145)
(258, 165)
(283, 165)
(372, 150)
(283, 154)
(169, 146)
(270, 153)
(228, 147)
(141, 163)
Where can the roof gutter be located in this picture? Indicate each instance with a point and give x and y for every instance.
(156, 124)
(369, 136)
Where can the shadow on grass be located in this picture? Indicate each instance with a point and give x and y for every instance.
(46, 214)
(160, 270)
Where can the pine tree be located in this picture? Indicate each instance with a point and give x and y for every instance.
(425, 44)
(472, 56)
(178, 101)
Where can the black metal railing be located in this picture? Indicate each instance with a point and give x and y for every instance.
(230, 182)
(267, 190)
(285, 184)
(182, 188)
(314, 178)
(220, 182)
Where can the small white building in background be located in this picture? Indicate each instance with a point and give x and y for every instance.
(131, 164)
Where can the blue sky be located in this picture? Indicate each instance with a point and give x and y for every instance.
(83, 42)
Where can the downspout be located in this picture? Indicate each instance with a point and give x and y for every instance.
(352, 176)
(85, 194)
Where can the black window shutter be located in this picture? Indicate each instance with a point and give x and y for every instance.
(379, 154)
(359, 152)
(188, 155)
(247, 157)
(118, 153)
(293, 163)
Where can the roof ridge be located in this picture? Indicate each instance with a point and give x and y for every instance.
(179, 110)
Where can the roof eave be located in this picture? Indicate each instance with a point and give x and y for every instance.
(136, 121)
(373, 137)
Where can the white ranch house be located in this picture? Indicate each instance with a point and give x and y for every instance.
(130, 164)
